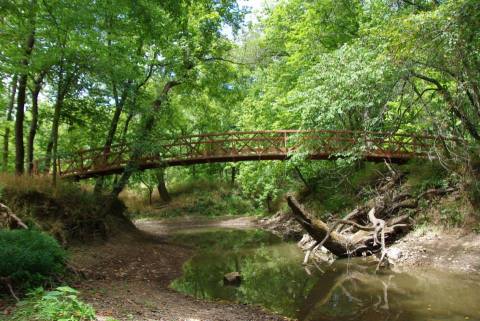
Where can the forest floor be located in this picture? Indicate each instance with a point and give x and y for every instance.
(128, 277)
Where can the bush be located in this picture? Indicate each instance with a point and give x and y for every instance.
(423, 175)
(29, 258)
(61, 304)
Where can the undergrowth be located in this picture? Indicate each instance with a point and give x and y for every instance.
(29, 258)
(206, 198)
(337, 192)
(60, 304)
(68, 211)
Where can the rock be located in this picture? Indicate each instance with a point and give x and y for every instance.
(394, 253)
(232, 278)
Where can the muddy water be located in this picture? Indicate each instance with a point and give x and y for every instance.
(345, 290)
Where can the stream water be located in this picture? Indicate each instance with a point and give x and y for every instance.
(273, 277)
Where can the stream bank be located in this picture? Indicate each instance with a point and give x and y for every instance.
(152, 277)
(129, 276)
(450, 250)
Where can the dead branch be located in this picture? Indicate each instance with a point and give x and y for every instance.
(8, 284)
(436, 192)
(12, 220)
(363, 242)
(336, 243)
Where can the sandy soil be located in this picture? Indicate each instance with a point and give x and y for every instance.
(164, 227)
(128, 277)
(451, 250)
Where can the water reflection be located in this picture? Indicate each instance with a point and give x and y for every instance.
(346, 290)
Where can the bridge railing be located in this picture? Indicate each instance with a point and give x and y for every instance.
(277, 144)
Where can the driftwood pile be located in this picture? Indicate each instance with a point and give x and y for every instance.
(367, 229)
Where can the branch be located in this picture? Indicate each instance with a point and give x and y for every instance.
(471, 127)
(229, 61)
(9, 213)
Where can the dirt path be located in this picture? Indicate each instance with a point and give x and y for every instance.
(128, 277)
(164, 227)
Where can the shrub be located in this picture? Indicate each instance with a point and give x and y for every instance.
(451, 216)
(61, 304)
(423, 175)
(29, 257)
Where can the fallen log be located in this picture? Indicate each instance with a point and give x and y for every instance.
(361, 243)
(336, 243)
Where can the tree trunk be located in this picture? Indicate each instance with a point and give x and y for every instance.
(52, 143)
(19, 118)
(150, 192)
(138, 149)
(336, 243)
(55, 125)
(6, 138)
(161, 187)
(21, 99)
(119, 103)
(363, 242)
(34, 123)
(64, 84)
(234, 172)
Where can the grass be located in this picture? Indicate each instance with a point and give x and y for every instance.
(205, 198)
(68, 211)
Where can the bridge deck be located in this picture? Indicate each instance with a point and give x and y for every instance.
(250, 146)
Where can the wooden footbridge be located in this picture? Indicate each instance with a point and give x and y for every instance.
(250, 146)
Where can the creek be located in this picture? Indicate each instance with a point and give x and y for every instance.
(350, 289)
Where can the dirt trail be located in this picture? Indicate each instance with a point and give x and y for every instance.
(164, 227)
(128, 277)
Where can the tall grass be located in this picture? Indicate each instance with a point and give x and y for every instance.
(67, 211)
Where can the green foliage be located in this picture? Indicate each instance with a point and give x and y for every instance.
(423, 175)
(451, 216)
(198, 197)
(476, 228)
(264, 181)
(61, 304)
(29, 258)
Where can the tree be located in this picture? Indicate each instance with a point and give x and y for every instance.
(31, 9)
(194, 39)
(11, 105)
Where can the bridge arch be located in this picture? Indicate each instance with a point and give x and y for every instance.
(235, 146)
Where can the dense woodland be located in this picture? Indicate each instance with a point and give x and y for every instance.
(77, 75)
